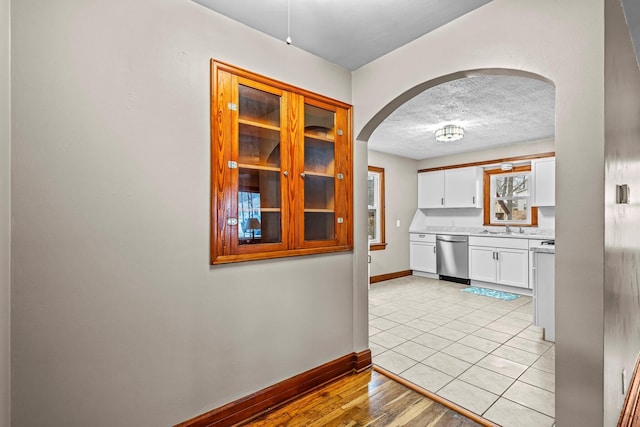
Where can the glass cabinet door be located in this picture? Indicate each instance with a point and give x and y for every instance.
(259, 191)
(281, 169)
(319, 173)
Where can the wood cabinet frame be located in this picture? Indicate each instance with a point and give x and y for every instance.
(224, 243)
(487, 197)
(382, 244)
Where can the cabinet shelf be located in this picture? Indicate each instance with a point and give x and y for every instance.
(320, 210)
(258, 106)
(323, 175)
(258, 167)
(260, 209)
(258, 145)
(319, 137)
(257, 124)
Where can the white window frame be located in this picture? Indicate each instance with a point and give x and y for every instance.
(377, 174)
(494, 199)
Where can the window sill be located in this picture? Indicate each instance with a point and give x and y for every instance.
(377, 246)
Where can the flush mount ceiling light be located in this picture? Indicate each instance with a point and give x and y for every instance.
(449, 133)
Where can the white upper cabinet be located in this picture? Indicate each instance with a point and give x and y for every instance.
(461, 188)
(431, 190)
(543, 172)
(451, 188)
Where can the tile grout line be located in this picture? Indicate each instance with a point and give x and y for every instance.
(475, 310)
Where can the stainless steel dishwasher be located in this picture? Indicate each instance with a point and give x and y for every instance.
(452, 258)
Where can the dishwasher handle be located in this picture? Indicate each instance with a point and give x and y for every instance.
(449, 238)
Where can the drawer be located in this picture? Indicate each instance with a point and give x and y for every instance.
(422, 237)
(499, 242)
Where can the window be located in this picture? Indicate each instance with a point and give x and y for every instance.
(375, 186)
(507, 197)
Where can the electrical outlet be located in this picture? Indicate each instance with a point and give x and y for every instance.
(398, 223)
(624, 381)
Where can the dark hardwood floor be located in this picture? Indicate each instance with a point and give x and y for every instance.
(365, 399)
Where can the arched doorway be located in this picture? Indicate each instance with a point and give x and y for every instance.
(445, 346)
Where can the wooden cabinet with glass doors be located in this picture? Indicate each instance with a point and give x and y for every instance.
(281, 180)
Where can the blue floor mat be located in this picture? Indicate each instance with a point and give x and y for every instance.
(505, 296)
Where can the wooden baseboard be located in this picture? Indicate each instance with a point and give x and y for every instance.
(630, 414)
(444, 402)
(361, 361)
(389, 276)
(273, 397)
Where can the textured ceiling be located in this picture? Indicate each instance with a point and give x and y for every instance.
(350, 33)
(493, 110)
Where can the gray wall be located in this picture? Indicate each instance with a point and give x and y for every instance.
(401, 201)
(118, 319)
(5, 209)
(622, 222)
(564, 42)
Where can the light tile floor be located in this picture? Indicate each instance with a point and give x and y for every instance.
(481, 353)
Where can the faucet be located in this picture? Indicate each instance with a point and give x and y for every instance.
(521, 230)
(508, 229)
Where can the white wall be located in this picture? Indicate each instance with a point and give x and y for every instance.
(5, 210)
(515, 150)
(622, 226)
(401, 201)
(474, 217)
(564, 42)
(118, 319)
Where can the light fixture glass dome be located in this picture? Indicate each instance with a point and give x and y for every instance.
(449, 133)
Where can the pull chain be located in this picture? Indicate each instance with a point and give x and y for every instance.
(288, 21)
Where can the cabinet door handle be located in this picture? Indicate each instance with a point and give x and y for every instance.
(303, 174)
(434, 249)
(442, 201)
(285, 173)
(474, 200)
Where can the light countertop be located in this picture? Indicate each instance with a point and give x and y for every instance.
(544, 249)
(489, 232)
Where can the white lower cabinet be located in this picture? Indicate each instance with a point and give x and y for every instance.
(422, 252)
(503, 261)
(513, 267)
(482, 264)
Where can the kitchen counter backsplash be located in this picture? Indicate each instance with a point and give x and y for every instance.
(529, 232)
